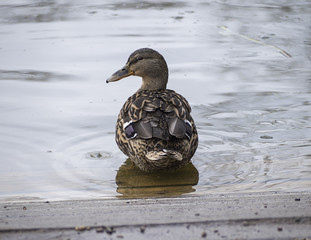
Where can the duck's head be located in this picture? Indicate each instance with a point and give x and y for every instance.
(148, 64)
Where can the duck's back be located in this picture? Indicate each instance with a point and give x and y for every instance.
(156, 126)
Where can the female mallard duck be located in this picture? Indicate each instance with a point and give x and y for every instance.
(154, 128)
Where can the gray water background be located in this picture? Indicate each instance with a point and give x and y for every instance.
(251, 101)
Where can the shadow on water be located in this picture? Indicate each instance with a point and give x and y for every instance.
(134, 183)
(146, 5)
(35, 11)
(32, 75)
(53, 10)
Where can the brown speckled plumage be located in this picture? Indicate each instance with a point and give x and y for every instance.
(154, 127)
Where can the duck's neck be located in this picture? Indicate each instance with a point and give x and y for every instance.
(153, 84)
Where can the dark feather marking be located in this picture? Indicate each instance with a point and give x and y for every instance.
(143, 129)
(177, 127)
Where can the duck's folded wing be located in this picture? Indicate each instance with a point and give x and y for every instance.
(162, 114)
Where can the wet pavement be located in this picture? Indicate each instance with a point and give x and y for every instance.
(215, 216)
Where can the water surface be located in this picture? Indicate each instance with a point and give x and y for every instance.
(251, 103)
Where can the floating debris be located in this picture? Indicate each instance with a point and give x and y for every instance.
(110, 230)
(98, 155)
(80, 228)
(266, 137)
(286, 54)
(246, 223)
(142, 229)
(100, 230)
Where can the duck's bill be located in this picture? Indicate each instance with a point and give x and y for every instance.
(122, 73)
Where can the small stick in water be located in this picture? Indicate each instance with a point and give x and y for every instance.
(286, 54)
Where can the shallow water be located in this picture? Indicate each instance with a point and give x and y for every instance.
(250, 101)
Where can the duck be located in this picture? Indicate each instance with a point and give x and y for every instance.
(154, 127)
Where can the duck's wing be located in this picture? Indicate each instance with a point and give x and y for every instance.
(162, 114)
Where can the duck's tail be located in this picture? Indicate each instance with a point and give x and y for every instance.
(165, 153)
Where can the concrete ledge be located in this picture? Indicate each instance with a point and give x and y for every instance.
(213, 216)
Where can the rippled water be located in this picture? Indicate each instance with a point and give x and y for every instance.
(251, 102)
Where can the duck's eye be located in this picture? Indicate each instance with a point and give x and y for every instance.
(139, 58)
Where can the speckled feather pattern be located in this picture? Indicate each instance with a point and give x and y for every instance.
(156, 106)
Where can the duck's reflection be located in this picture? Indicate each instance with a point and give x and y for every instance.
(134, 183)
